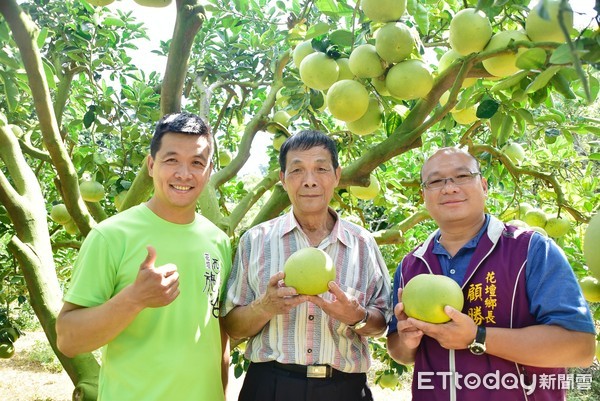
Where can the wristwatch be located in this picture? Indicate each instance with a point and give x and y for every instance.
(361, 323)
(477, 347)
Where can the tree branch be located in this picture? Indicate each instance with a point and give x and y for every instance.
(395, 234)
(190, 16)
(251, 198)
(25, 33)
(516, 172)
(278, 201)
(254, 125)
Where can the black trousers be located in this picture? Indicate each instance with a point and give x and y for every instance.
(270, 382)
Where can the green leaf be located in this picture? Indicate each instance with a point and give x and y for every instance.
(526, 115)
(8, 61)
(495, 125)
(113, 21)
(49, 72)
(10, 91)
(317, 99)
(341, 37)
(392, 121)
(487, 108)
(594, 156)
(422, 18)
(88, 118)
(542, 79)
(561, 55)
(531, 59)
(509, 82)
(592, 130)
(562, 85)
(508, 127)
(317, 30)
(42, 35)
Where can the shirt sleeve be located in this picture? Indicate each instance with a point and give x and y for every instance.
(238, 291)
(554, 294)
(94, 274)
(381, 297)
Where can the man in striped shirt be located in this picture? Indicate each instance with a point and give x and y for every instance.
(305, 347)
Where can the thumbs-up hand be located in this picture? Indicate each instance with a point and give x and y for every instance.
(156, 286)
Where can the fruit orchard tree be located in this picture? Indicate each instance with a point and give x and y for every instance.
(76, 117)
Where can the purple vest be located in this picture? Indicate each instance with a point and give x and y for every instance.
(495, 296)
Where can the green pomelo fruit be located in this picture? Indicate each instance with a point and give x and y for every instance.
(446, 61)
(444, 99)
(369, 122)
(366, 193)
(91, 191)
(518, 223)
(70, 227)
(309, 270)
(515, 152)
(59, 214)
(282, 117)
(465, 116)
(557, 227)
(388, 380)
(591, 245)
(470, 31)
(426, 295)
(17, 131)
(590, 287)
(535, 217)
(505, 64)
(224, 158)
(365, 62)
(379, 85)
(409, 79)
(394, 42)
(524, 207)
(7, 350)
(318, 71)
(119, 198)
(153, 3)
(539, 230)
(100, 3)
(540, 29)
(344, 69)
(347, 100)
(302, 50)
(9, 334)
(278, 140)
(383, 10)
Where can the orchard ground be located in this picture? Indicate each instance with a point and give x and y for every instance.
(25, 377)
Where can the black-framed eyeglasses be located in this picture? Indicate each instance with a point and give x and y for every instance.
(460, 179)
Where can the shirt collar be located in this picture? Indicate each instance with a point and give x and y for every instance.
(439, 249)
(337, 232)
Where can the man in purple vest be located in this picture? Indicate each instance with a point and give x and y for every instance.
(524, 318)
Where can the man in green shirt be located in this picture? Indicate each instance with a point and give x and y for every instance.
(147, 282)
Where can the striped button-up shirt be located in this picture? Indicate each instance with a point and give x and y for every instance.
(306, 335)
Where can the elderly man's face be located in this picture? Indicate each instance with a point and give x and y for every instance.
(310, 179)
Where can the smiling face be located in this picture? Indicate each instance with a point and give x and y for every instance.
(454, 204)
(309, 179)
(179, 170)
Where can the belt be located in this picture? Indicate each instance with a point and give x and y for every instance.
(310, 371)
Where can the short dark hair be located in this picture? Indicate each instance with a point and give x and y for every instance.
(450, 149)
(178, 123)
(308, 139)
